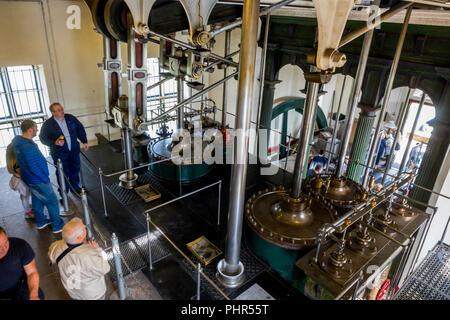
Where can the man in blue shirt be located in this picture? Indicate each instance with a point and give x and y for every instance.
(34, 172)
(318, 160)
(61, 133)
(318, 169)
(19, 277)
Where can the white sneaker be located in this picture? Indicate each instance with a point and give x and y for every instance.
(44, 225)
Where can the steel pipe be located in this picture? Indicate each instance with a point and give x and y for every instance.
(262, 71)
(199, 278)
(387, 94)
(397, 135)
(336, 122)
(231, 265)
(180, 97)
(195, 96)
(160, 82)
(118, 265)
(224, 93)
(356, 94)
(128, 153)
(87, 218)
(62, 186)
(238, 22)
(377, 21)
(305, 135)
(129, 179)
(183, 196)
(150, 261)
(411, 136)
(193, 48)
(228, 56)
(100, 174)
(218, 203)
(135, 168)
(429, 190)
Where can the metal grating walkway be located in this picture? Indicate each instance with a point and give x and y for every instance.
(431, 280)
(135, 254)
(127, 197)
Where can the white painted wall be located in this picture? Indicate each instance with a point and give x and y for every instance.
(31, 33)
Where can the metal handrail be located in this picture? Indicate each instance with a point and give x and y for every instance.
(132, 169)
(183, 196)
(189, 260)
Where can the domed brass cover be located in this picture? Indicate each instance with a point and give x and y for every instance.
(341, 192)
(287, 222)
(400, 210)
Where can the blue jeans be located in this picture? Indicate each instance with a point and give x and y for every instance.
(43, 195)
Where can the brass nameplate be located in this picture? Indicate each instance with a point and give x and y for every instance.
(204, 250)
(148, 193)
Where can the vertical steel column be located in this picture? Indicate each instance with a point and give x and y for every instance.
(128, 180)
(100, 174)
(128, 153)
(336, 122)
(199, 279)
(180, 98)
(62, 186)
(411, 136)
(262, 75)
(355, 99)
(87, 218)
(230, 271)
(150, 261)
(387, 94)
(224, 94)
(305, 135)
(218, 203)
(402, 118)
(118, 264)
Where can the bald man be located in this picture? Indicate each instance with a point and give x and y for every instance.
(82, 264)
